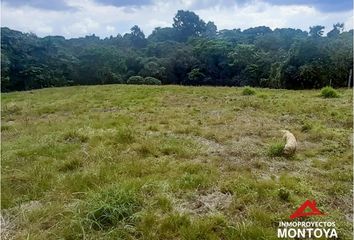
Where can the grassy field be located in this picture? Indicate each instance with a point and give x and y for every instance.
(169, 162)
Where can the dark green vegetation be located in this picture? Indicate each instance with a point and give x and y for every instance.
(169, 162)
(143, 81)
(191, 52)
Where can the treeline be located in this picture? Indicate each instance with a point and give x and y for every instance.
(191, 52)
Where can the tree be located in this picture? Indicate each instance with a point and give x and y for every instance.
(152, 68)
(136, 37)
(5, 73)
(337, 29)
(316, 31)
(162, 34)
(210, 30)
(195, 77)
(261, 30)
(188, 24)
(251, 63)
(214, 61)
(340, 51)
(307, 65)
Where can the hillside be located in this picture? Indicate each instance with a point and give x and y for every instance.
(170, 162)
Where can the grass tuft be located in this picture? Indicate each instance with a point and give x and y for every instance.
(112, 206)
(276, 149)
(329, 92)
(248, 91)
(125, 136)
(70, 165)
(74, 136)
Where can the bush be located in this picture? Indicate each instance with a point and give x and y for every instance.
(329, 92)
(276, 149)
(141, 80)
(248, 91)
(135, 80)
(152, 81)
(109, 78)
(284, 194)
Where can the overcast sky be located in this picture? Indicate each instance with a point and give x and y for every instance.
(76, 18)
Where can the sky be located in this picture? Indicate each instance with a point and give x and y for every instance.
(78, 18)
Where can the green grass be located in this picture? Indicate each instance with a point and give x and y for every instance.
(145, 162)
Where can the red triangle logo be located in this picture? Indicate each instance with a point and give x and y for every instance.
(300, 212)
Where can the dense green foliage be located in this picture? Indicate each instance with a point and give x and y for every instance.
(135, 80)
(151, 81)
(191, 52)
(143, 81)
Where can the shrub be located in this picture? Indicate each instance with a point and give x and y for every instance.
(152, 81)
(135, 80)
(248, 91)
(284, 194)
(109, 78)
(329, 92)
(276, 149)
(141, 80)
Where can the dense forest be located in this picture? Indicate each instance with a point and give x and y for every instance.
(190, 52)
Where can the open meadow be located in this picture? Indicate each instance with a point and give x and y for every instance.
(171, 162)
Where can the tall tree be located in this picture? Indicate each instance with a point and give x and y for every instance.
(188, 24)
(316, 31)
(337, 29)
(137, 37)
(210, 30)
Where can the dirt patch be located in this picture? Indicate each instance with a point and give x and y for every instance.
(246, 148)
(205, 203)
(212, 147)
(9, 219)
(7, 228)
(306, 145)
(30, 206)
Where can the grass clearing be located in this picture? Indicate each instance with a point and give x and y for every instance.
(171, 162)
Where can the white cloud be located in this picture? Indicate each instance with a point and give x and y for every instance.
(110, 29)
(82, 27)
(262, 13)
(104, 20)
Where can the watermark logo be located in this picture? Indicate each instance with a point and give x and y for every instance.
(301, 211)
(304, 229)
